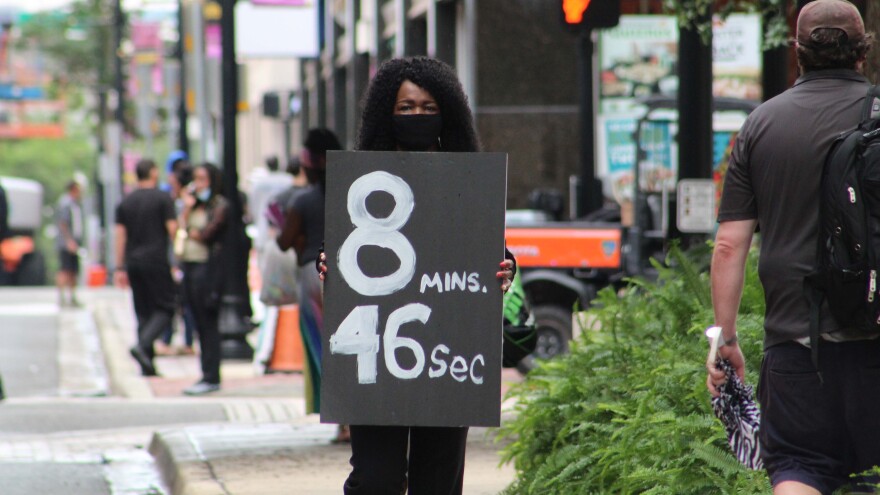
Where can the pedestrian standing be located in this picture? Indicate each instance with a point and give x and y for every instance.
(145, 225)
(413, 104)
(204, 219)
(299, 183)
(303, 230)
(179, 176)
(815, 430)
(69, 222)
(264, 188)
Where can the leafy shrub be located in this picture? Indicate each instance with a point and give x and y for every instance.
(627, 410)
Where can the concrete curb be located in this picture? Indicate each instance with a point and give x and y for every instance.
(210, 459)
(179, 464)
(286, 459)
(80, 360)
(125, 378)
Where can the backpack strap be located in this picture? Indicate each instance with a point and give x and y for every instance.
(816, 297)
(871, 107)
(814, 282)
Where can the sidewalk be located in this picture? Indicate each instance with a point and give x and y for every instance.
(267, 445)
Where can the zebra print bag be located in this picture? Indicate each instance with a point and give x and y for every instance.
(738, 412)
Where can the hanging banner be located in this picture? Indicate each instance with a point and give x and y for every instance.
(276, 30)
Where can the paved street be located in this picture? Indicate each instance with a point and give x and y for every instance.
(79, 418)
(58, 434)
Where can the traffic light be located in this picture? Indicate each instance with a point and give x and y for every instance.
(579, 15)
(271, 104)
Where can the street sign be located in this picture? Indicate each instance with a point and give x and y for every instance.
(280, 30)
(696, 206)
(412, 306)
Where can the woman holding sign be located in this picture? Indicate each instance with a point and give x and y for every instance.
(413, 104)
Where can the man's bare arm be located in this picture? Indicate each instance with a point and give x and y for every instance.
(120, 277)
(171, 226)
(732, 244)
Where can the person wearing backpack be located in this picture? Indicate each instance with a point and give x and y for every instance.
(819, 417)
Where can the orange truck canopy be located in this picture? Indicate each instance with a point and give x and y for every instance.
(565, 247)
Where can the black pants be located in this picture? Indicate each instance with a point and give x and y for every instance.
(153, 292)
(198, 285)
(819, 432)
(380, 464)
(68, 262)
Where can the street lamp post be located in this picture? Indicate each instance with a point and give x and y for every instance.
(119, 77)
(695, 107)
(180, 49)
(234, 324)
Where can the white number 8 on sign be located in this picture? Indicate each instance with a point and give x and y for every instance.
(381, 232)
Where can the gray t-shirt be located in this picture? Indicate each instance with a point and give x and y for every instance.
(286, 197)
(69, 214)
(774, 175)
(310, 205)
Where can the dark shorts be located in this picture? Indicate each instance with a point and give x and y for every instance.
(69, 262)
(818, 433)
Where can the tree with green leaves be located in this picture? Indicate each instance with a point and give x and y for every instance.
(697, 14)
(694, 14)
(78, 42)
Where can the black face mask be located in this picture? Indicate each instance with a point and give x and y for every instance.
(416, 132)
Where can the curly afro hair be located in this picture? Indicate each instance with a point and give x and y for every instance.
(435, 77)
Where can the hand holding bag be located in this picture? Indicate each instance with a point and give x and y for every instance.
(280, 273)
(179, 242)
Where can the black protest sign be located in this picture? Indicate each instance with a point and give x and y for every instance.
(412, 304)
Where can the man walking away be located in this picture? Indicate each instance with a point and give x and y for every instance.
(818, 425)
(145, 225)
(68, 219)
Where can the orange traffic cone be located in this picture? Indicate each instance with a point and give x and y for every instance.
(97, 276)
(288, 354)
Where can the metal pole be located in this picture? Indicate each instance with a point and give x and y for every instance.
(182, 131)
(113, 167)
(695, 107)
(694, 110)
(197, 29)
(286, 139)
(591, 187)
(320, 83)
(119, 81)
(233, 321)
(230, 108)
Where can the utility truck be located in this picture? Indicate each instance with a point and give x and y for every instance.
(565, 263)
(22, 262)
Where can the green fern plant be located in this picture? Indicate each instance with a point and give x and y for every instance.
(626, 411)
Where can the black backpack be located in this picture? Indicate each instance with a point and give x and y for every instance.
(847, 270)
